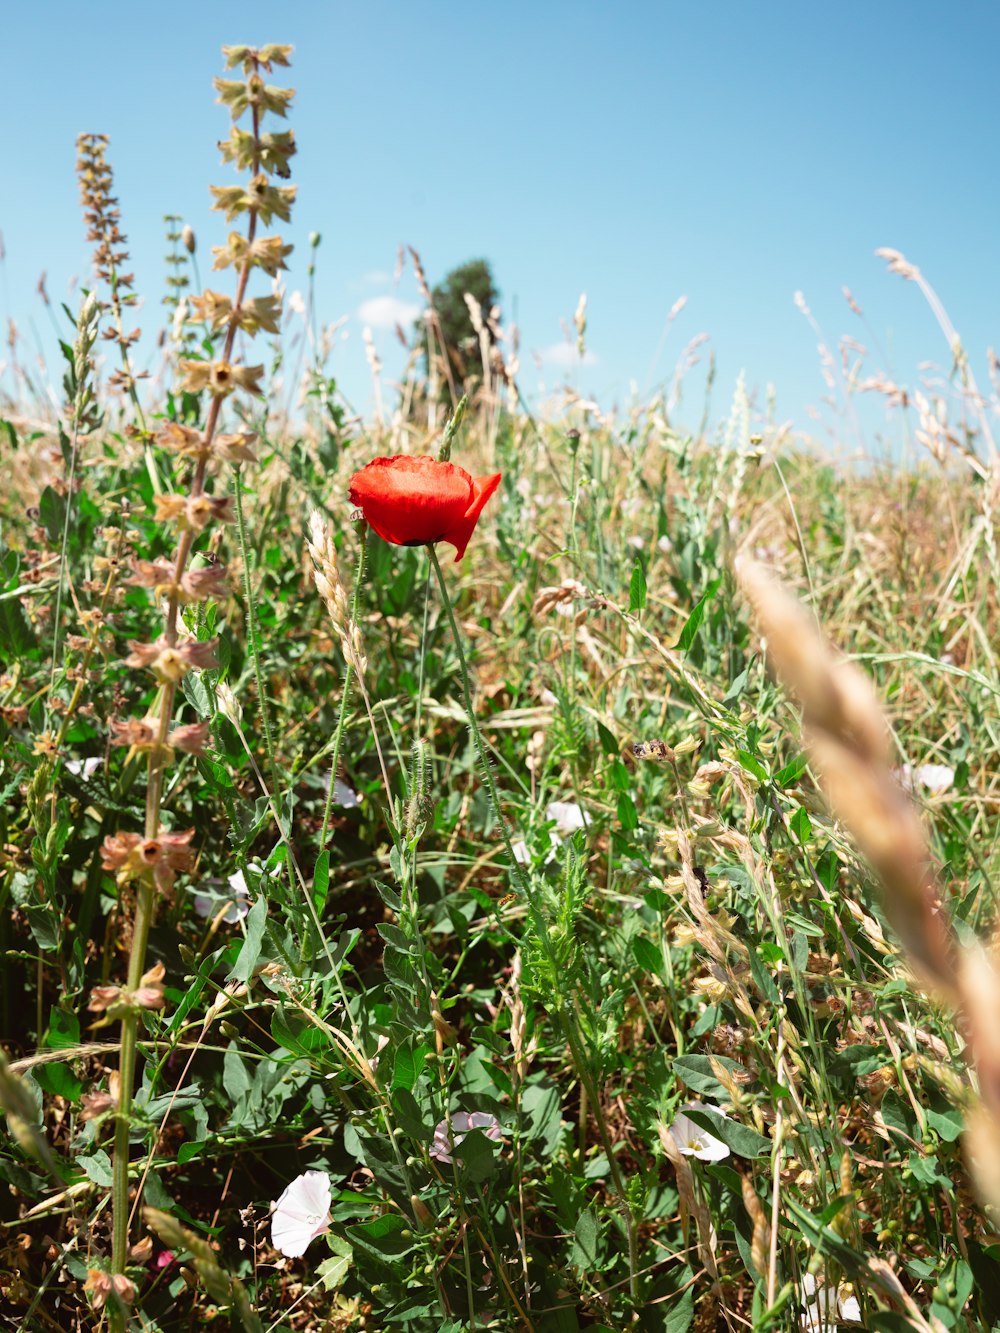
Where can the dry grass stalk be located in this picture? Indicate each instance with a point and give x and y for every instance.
(847, 738)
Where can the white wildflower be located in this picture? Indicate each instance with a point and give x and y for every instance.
(692, 1140)
(302, 1213)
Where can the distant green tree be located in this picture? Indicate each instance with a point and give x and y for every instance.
(461, 342)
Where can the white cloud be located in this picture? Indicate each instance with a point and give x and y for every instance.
(376, 278)
(385, 312)
(565, 354)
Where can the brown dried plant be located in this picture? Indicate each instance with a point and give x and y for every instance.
(848, 740)
(151, 860)
(103, 218)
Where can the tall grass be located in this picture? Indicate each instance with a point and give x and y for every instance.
(512, 905)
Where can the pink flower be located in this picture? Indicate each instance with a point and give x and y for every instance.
(461, 1123)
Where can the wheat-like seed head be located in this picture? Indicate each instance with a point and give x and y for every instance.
(846, 737)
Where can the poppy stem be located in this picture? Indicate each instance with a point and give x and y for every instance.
(484, 763)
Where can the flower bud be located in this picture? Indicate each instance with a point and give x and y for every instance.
(188, 237)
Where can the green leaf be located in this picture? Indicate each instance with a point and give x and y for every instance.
(297, 1034)
(647, 955)
(585, 1237)
(52, 515)
(63, 1030)
(60, 1080)
(235, 1079)
(741, 1139)
(752, 765)
(693, 622)
(332, 1271)
(189, 1150)
(856, 1061)
(404, 1069)
(791, 772)
(398, 968)
(637, 588)
(382, 1240)
(680, 1313)
(801, 825)
(696, 1072)
(408, 1115)
(97, 1167)
(477, 1154)
(321, 881)
(628, 816)
(246, 959)
(948, 1125)
(758, 969)
(17, 638)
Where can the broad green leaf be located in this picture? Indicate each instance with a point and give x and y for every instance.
(743, 1140)
(321, 881)
(246, 960)
(97, 1167)
(696, 1072)
(801, 825)
(585, 1237)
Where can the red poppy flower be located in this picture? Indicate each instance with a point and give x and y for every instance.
(411, 501)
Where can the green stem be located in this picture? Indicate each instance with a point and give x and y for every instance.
(126, 1080)
(484, 762)
(346, 693)
(252, 638)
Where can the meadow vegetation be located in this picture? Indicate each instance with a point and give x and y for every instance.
(657, 992)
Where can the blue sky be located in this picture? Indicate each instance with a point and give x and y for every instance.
(729, 152)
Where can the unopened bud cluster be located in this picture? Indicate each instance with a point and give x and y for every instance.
(103, 218)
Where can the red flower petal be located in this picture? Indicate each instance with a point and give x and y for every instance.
(459, 536)
(412, 501)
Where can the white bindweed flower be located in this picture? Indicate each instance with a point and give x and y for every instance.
(692, 1140)
(568, 817)
(302, 1213)
(826, 1306)
(343, 795)
(521, 854)
(934, 778)
(83, 768)
(461, 1123)
(238, 897)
